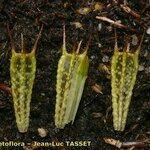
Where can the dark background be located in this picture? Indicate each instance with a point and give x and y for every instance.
(94, 117)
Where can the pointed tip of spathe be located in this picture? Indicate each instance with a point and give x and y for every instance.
(36, 42)
(64, 51)
(116, 41)
(140, 44)
(11, 39)
(87, 46)
(78, 48)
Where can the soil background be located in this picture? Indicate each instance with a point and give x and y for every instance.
(94, 117)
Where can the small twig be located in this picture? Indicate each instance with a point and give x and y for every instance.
(78, 48)
(135, 144)
(119, 144)
(145, 8)
(116, 23)
(130, 11)
(38, 37)
(11, 39)
(111, 21)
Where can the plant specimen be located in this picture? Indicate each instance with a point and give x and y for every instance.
(22, 73)
(71, 75)
(124, 68)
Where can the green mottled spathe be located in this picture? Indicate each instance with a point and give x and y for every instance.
(22, 72)
(124, 68)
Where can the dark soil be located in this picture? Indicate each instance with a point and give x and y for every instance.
(27, 17)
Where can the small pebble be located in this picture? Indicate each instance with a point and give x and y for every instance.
(42, 132)
(99, 45)
(92, 57)
(134, 40)
(141, 68)
(99, 27)
(148, 31)
(97, 115)
(105, 58)
(146, 53)
(77, 25)
(42, 94)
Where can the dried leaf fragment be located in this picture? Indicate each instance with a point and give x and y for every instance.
(98, 6)
(97, 88)
(84, 10)
(5, 87)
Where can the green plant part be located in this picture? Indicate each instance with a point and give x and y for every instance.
(124, 68)
(71, 75)
(22, 73)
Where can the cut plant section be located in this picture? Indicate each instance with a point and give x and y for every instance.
(71, 75)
